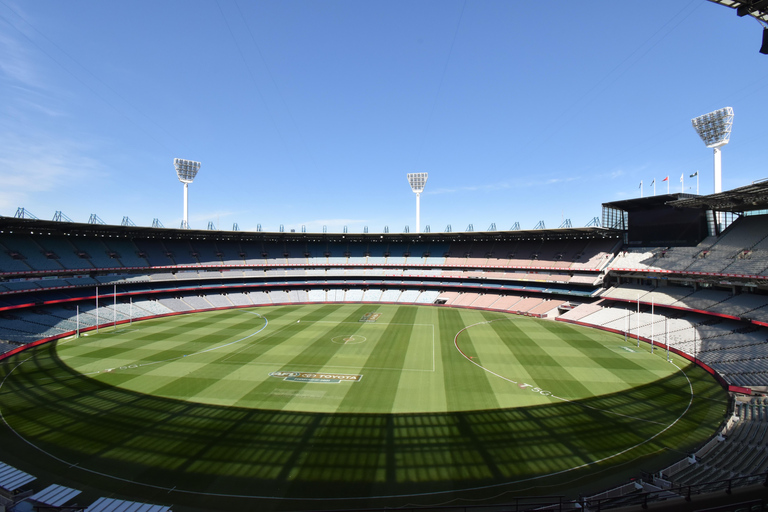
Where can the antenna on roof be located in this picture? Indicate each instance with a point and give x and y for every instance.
(60, 217)
(21, 213)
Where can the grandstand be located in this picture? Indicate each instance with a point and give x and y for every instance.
(705, 299)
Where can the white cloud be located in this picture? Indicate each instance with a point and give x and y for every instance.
(16, 62)
(29, 167)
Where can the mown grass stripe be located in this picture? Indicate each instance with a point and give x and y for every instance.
(389, 352)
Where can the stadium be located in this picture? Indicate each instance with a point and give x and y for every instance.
(207, 369)
(622, 365)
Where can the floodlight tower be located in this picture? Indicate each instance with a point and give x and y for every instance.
(715, 130)
(186, 170)
(417, 180)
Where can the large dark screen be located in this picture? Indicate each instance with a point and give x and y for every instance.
(667, 226)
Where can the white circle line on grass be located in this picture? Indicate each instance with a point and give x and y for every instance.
(586, 464)
(349, 339)
(533, 388)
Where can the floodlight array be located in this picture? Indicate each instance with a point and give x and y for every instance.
(714, 128)
(417, 180)
(186, 170)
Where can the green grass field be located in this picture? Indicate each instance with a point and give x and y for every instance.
(307, 406)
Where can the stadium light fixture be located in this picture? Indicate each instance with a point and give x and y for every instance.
(186, 170)
(417, 180)
(715, 130)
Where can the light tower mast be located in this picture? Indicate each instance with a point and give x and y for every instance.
(186, 170)
(715, 130)
(417, 180)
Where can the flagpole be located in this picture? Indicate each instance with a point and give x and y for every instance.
(697, 182)
(667, 185)
(654, 186)
(682, 183)
(641, 188)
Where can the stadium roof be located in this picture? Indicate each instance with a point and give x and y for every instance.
(755, 8)
(115, 505)
(37, 226)
(12, 479)
(646, 203)
(55, 495)
(743, 199)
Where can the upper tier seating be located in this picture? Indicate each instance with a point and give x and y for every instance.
(741, 249)
(56, 252)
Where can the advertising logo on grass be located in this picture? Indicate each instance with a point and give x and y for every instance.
(332, 378)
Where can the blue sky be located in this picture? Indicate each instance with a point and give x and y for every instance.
(311, 113)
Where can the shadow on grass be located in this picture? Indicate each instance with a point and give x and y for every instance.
(192, 454)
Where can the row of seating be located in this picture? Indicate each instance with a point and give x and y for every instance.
(742, 452)
(746, 305)
(20, 253)
(28, 285)
(742, 249)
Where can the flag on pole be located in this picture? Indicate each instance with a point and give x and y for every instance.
(641, 184)
(653, 182)
(666, 179)
(681, 178)
(694, 174)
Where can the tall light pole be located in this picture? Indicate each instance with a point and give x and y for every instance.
(417, 180)
(186, 170)
(715, 130)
